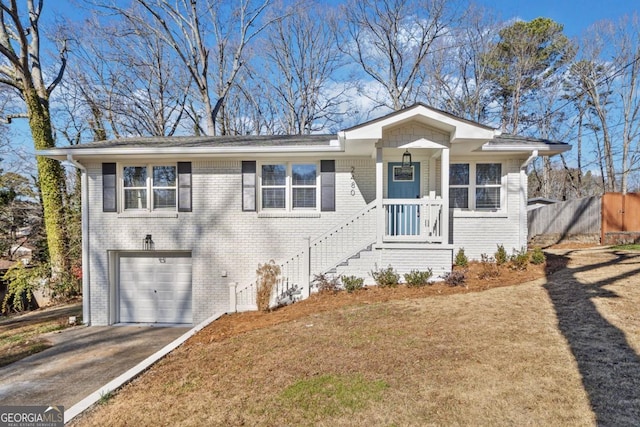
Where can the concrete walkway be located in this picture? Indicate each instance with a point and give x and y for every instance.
(80, 362)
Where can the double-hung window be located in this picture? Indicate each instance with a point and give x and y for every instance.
(149, 187)
(475, 185)
(289, 186)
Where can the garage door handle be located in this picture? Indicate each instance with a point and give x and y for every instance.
(155, 291)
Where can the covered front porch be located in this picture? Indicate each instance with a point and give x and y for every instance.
(412, 200)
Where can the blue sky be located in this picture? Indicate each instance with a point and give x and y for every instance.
(575, 15)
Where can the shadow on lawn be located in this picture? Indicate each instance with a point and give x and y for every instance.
(609, 366)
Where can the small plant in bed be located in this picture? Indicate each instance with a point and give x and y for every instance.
(417, 278)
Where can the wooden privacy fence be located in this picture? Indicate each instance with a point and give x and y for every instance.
(572, 220)
(611, 219)
(620, 218)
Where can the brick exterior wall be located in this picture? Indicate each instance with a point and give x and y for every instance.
(227, 244)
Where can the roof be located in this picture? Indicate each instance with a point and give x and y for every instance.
(459, 129)
(198, 145)
(463, 133)
(508, 142)
(417, 105)
(210, 141)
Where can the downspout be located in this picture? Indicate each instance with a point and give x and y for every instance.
(84, 203)
(532, 157)
(524, 230)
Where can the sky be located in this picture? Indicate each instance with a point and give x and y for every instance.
(575, 15)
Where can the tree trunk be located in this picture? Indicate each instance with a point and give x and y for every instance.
(51, 178)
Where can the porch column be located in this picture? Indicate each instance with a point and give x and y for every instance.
(379, 195)
(444, 182)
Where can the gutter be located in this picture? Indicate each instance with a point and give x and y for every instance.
(333, 147)
(84, 203)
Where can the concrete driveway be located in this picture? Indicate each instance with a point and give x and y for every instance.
(81, 361)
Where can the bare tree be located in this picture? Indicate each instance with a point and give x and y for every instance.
(627, 60)
(22, 70)
(455, 72)
(606, 77)
(389, 40)
(209, 38)
(302, 59)
(126, 76)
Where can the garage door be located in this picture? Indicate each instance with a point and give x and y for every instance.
(155, 288)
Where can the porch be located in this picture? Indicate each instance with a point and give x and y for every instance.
(407, 234)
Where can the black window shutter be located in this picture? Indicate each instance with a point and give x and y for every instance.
(249, 186)
(328, 185)
(109, 188)
(184, 187)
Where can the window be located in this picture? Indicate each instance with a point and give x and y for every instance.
(459, 185)
(148, 186)
(484, 192)
(289, 186)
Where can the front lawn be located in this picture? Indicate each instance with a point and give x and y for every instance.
(561, 350)
(25, 334)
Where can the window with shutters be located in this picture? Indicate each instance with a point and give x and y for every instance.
(149, 187)
(475, 186)
(288, 186)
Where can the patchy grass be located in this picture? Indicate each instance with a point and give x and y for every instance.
(24, 335)
(562, 350)
(629, 247)
(326, 396)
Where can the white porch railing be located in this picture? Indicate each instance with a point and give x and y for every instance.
(404, 220)
(321, 255)
(413, 220)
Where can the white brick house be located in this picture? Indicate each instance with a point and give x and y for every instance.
(175, 228)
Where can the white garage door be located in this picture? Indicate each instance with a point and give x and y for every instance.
(155, 288)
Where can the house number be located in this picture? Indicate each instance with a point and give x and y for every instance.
(353, 180)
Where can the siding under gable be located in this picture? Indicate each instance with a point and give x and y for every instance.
(410, 132)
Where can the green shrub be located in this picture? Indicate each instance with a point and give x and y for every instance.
(537, 256)
(488, 267)
(520, 259)
(22, 282)
(417, 278)
(386, 277)
(324, 283)
(352, 283)
(461, 259)
(501, 256)
(455, 278)
(268, 277)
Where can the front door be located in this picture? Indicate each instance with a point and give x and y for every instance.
(404, 183)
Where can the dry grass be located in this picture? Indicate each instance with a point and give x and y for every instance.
(505, 356)
(24, 335)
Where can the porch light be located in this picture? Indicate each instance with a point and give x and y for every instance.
(406, 159)
(147, 243)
